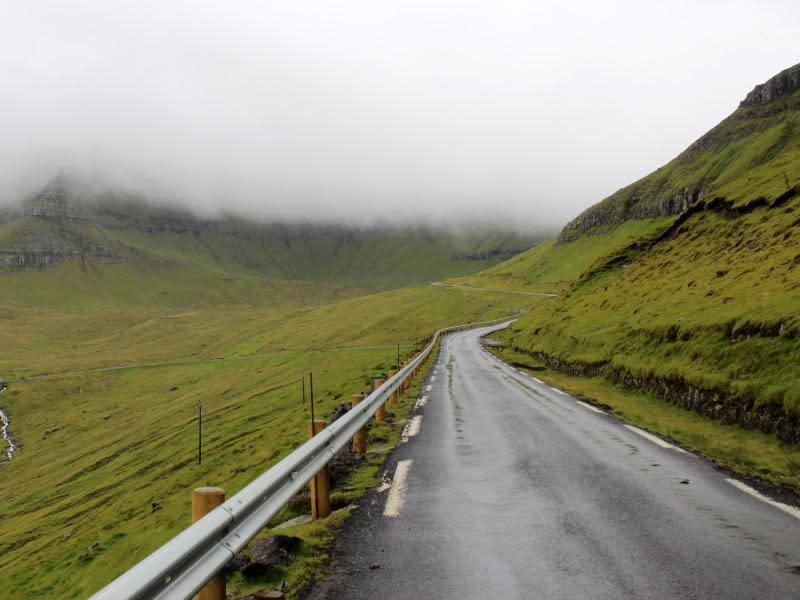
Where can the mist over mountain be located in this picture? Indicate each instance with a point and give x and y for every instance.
(371, 111)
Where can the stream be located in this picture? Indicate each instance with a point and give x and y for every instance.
(6, 436)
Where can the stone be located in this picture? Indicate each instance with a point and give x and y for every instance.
(339, 412)
(301, 520)
(239, 563)
(301, 500)
(269, 553)
(341, 465)
(268, 595)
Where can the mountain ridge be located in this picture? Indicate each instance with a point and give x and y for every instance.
(766, 120)
(110, 234)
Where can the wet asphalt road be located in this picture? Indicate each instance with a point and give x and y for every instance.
(516, 490)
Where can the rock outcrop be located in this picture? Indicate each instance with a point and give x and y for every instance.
(54, 202)
(717, 404)
(784, 83)
(602, 217)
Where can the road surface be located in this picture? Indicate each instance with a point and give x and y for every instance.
(507, 488)
(496, 290)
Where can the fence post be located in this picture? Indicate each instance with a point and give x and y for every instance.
(393, 397)
(204, 500)
(380, 414)
(360, 438)
(319, 485)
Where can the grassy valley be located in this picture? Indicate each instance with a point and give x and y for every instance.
(118, 319)
(107, 458)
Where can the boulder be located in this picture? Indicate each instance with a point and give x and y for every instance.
(269, 553)
(341, 465)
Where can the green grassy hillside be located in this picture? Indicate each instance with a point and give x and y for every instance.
(698, 308)
(118, 318)
(67, 249)
(107, 458)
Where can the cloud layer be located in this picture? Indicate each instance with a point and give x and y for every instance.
(527, 111)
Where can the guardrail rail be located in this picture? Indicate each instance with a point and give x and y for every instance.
(182, 566)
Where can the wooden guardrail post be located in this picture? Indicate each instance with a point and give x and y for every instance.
(319, 484)
(393, 397)
(380, 414)
(360, 438)
(204, 500)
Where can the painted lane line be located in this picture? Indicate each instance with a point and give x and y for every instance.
(557, 391)
(411, 429)
(590, 407)
(791, 510)
(654, 438)
(396, 498)
(536, 380)
(429, 388)
(421, 402)
(433, 378)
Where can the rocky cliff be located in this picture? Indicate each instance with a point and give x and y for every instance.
(55, 202)
(783, 84)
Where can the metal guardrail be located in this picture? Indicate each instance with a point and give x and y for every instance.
(182, 566)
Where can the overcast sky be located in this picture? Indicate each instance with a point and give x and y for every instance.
(526, 110)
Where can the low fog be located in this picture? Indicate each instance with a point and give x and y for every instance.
(525, 112)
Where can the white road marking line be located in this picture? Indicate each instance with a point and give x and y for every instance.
(654, 438)
(536, 380)
(433, 377)
(421, 402)
(557, 391)
(429, 388)
(590, 407)
(411, 429)
(791, 510)
(396, 498)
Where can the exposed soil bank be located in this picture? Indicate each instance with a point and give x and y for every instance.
(770, 418)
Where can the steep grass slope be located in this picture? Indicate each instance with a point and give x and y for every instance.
(751, 153)
(698, 308)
